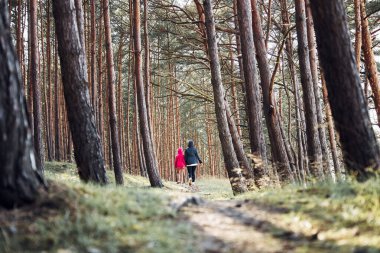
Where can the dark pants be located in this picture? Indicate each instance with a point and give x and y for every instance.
(191, 171)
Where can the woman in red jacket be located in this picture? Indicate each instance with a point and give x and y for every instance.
(180, 166)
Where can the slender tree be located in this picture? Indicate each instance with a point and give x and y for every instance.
(278, 148)
(57, 106)
(34, 82)
(331, 130)
(317, 91)
(20, 179)
(93, 56)
(49, 102)
(343, 84)
(232, 165)
(358, 32)
(313, 143)
(369, 59)
(251, 87)
(111, 95)
(87, 146)
(286, 29)
(147, 74)
(147, 141)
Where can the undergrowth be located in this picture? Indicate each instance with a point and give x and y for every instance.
(91, 218)
(77, 217)
(342, 214)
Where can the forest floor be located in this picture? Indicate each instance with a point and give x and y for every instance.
(77, 217)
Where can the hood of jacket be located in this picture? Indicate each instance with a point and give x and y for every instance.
(180, 151)
(190, 144)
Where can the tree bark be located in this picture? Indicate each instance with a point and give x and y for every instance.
(120, 95)
(317, 91)
(358, 32)
(330, 125)
(313, 144)
(254, 109)
(20, 179)
(87, 146)
(232, 165)
(93, 57)
(111, 96)
(295, 84)
(369, 60)
(34, 82)
(235, 105)
(255, 175)
(279, 154)
(147, 66)
(49, 81)
(100, 86)
(19, 37)
(343, 84)
(57, 92)
(150, 156)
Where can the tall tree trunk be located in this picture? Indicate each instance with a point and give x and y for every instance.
(147, 66)
(120, 95)
(317, 92)
(150, 156)
(295, 83)
(93, 57)
(358, 32)
(252, 88)
(238, 51)
(139, 145)
(29, 87)
(35, 83)
(369, 60)
(20, 180)
(57, 92)
(48, 105)
(236, 179)
(343, 83)
(87, 146)
(100, 85)
(19, 37)
(237, 143)
(279, 154)
(330, 125)
(269, 23)
(235, 105)
(255, 175)
(128, 102)
(313, 144)
(111, 96)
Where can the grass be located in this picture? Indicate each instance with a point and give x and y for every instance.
(344, 214)
(77, 217)
(90, 218)
(215, 188)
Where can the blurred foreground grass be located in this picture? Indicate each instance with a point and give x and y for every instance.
(91, 218)
(345, 215)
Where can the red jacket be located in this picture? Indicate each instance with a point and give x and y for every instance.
(179, 162)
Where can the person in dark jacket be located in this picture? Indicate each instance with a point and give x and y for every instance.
(192, 159)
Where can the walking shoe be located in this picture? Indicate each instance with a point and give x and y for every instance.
(190, 181)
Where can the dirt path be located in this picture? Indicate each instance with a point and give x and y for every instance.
(244, 226)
